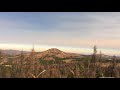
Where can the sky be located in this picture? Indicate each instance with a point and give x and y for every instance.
(75, 32)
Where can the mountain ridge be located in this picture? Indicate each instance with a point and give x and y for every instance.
(12, 52)
(52, 52)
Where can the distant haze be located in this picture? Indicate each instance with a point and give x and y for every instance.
(75, 32)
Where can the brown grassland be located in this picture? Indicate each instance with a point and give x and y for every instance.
(32, 67)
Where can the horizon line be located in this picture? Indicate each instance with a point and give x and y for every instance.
(40, 48)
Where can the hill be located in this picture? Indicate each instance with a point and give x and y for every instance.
(54, 53)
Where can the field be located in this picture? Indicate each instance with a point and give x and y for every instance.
(29, 66)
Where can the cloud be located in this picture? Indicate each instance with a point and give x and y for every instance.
(75, 30)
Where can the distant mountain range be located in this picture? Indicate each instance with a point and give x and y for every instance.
(52, 54)
(12, 52)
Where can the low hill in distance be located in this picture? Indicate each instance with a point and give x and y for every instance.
(53, 54)
(12, 52)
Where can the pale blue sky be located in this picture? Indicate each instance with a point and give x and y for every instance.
(68, 30)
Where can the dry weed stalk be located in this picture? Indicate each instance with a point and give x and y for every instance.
(38, 74)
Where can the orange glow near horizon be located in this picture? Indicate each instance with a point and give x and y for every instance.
(39, 48)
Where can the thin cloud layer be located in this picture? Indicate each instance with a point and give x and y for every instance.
(82, 30)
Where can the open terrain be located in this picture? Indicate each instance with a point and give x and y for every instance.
(55, 63)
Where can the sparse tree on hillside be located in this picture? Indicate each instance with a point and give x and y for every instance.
(93, 62)
(21, 57)
(99, 71)
(0, 56)
(114, 72)
(32, 60)
(94, 55)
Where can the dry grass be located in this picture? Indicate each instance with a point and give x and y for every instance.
(32, 67)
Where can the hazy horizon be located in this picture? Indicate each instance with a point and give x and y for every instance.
(75, 32)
